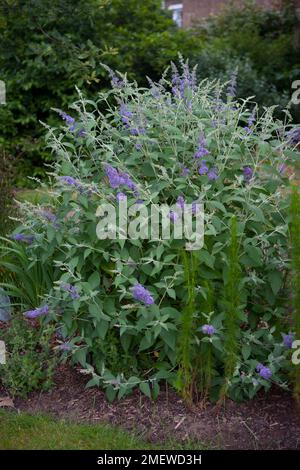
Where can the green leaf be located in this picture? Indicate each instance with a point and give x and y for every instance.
(246, 351)
(94, 280)
(169, 338)
(171, 293)
(145, 389)
(275, 279)
(155, 391)
(207, 258)
(80, 356)
(110, 393)
(255, 254)
(94, 382)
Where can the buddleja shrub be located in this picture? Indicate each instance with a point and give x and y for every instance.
(137, 312)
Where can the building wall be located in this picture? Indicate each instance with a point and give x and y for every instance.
(194, 10)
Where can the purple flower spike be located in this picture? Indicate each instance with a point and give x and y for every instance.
(70, 181)
(48, 215)
(38, 312)
(251, 121)
(180, 202)
(173, 216)
(68, 119)
(264, 371)
(127, 181)
(213, 174)
(248, 173)
(208, 330)
(81, 133)
(195, 207)
(117, 179)
(113, 176)
(121, 197)
(184, 170)
(71, 289)
(282, 168)
(20, 237)
(203, 168)
(141, 294)
(288, 340)
(231, 90)
(294, 136)
(202, 150)
(126, 115)
(115, 80)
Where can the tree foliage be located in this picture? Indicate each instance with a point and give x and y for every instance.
(48, 47)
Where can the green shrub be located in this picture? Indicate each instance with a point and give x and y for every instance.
(7, 207)
(260, 42)
(174, 139)
(30, 361)
(64, 44)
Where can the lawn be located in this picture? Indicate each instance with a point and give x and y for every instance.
(21, 431)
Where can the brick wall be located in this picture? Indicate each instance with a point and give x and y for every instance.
(194, 10)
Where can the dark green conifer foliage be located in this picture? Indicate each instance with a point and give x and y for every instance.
(295, 252)
(232, 307)
(205, 357)
(186, 370)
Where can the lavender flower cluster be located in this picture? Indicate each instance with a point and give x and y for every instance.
(21, 237)
(249, 127)
(117, 178)
(72, 124)
(208, 330)
(70, 181)
(142, 294)
(203, 168)
(264, 371)
(72, 290)
(38, 312)
(128, 119)
(288, 340)
(183, 84)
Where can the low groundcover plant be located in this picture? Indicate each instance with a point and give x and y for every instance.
(135, 312)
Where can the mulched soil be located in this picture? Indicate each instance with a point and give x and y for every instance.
(268, 422)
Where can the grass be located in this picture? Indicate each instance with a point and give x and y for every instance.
(22, 431)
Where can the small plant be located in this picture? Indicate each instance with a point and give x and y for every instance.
(25, 278)
(30, 361)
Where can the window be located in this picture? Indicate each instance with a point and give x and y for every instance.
(176, 13)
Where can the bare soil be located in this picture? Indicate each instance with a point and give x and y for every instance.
(267, 422)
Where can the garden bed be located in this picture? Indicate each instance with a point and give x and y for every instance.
(271, 422)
